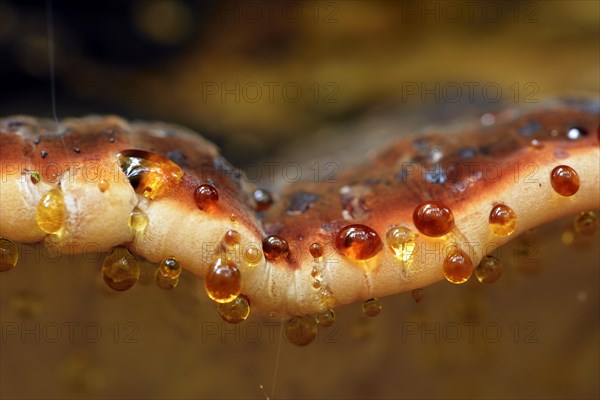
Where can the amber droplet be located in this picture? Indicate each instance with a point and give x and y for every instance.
(170, 268)
(9, 255)
(149, 173)
(223, 281)
(232, 238)
(252, 254)
(263, 199)
(564, 180)
(316, 250)
(103, 185)
(401, 242)
(206, 196)
(458, 267)
(138, 220)
(50, 211)
(503, 220)
(235, 311)
(275, 248)
(301, 330)
(417, 294)
(372, 307)
(165, 282)
(489, 270)
(358, 242)
(325, 318)
(586, 223)
(433, 218)
(120, 269)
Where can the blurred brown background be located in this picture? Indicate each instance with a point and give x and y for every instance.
(259, 78)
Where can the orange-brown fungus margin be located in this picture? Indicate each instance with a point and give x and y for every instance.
(469, 171)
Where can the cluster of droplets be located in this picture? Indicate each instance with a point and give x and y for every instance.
(223, 282)
(327, 316)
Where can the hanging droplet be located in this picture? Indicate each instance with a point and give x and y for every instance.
(564, 180)
(316, 250)
(223, 281)
(170, 268)
(252, 255)
(586, 223)
(325, 318)
(138, 220)
(165, 282)
(235, 311)
(206, 196)
(401, 242)
(458, 267)
(50, 211)
(149, 173)
(433, 218)
(120, 269)
(489, 270)
(301, 330)
(372, 307)
(417, 294)
(358, 242)
(503, 220)
(9, 255)
(275, 248)
(262, 199)
(326, 297)
(232, 238)
(103, 185)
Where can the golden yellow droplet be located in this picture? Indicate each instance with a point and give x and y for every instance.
(326, 297)
(138, 220)
(372, 307)
(401, 242)
(235, 311)
(325, 318)
(489, 270)
(165, 282)
(301, 330)
(252, 255)
(120, 269)
(50, 211)
(9, 255)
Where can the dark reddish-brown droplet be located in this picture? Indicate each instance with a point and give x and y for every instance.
(263, 199)
(316, 250)
(275, 247)
(433, 218)
(206, 196)
(564, 180)
(358, 242)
